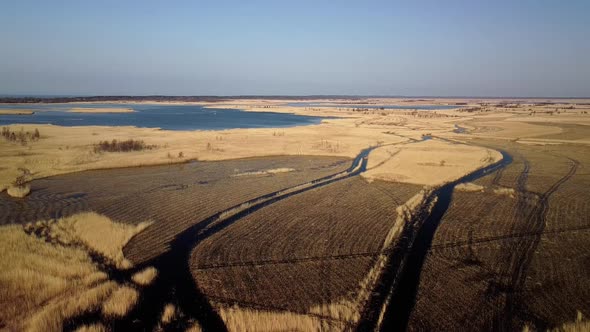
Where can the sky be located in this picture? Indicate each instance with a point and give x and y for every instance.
(410, 48)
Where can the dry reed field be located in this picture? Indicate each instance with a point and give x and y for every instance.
(310, 261)
(54, 272)
(516, 258)
(174, 197)
(287, 258)
(166, 195)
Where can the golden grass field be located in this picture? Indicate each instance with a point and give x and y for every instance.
(48, 273)
(510, 249)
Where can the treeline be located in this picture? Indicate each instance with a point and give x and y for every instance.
(31, 100)
(161, 98)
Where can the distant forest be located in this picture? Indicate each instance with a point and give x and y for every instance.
(161, 98)
(31, 100)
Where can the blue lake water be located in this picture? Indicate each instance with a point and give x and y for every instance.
(169, 117)
(371, 106)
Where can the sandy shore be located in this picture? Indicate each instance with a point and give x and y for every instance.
(71, 149)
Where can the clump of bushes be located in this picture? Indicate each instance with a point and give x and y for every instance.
(23, 178)
(122, 146)
(212, 148)
(20, 187)
(180, 155)
(21, 136)
(19, 192)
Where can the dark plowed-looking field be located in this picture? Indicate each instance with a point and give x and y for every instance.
(291, 286)
(304, 251)
(516, 254)
(174, 197)
(514, 258)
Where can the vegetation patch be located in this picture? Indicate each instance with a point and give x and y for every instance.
(504, 191)
(122, 146)
(120, 302)
(267, 171)
(168, 313)
(52, 272)
(146, 276)
(93, 231)
(245, 319)
(469, 187)
(19, 188)
(19, 191)
(20, 136)
(92, 328)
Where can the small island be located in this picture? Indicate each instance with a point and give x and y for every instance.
(100, 110)
(16, 112)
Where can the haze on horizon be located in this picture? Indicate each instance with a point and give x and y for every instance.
(455, 48)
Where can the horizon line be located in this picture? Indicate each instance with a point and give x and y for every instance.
(274, 96)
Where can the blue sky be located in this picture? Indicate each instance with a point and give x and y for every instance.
(441, 48)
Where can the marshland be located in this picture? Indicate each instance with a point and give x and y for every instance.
(352, 223)
(294, 166)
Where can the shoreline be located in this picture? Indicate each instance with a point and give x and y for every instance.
(63, 149)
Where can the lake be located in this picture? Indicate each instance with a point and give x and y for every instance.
(169, 117)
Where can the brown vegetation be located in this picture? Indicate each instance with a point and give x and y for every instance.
(168, 313)
(145, 277)
(93, 231)
(19, 191)
(164, 194)
(92, 328)
(120, 302)
(512, 261)
(20, 136)
(48, 272)
(19, 187)
(240, 319)
(214, 184)
(122, 146)
(312, 262)
(217, 190)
